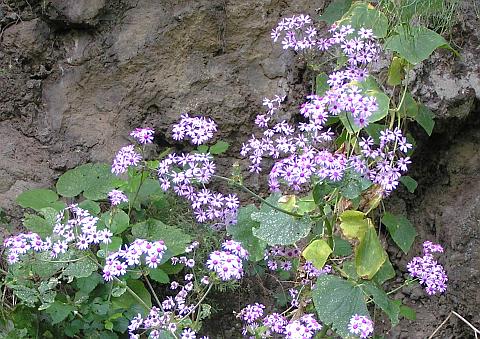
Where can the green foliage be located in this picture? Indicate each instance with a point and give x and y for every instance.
(40, 198)
(93, 180)
(335, 10)
(410, 183)
(415, 44)
(219, 148)
(400, 229)
(425, 118)
(366, 16)
(381, 299)
(278, 228)
(369, 254)
(243, 231)
(336, 300)
(152, 229)
(321, 85)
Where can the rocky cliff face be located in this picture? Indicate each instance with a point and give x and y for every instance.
(77, 75)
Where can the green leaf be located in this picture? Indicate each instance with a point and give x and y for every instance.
(113, 246)
(317, 252)
(242, 231)
(336, 301)
(88, 284)
(94, 180)
(415, 44)
(159, 276)
(369, 254)
(306, 204)
(408, 312)
(425, 119)
(353, 184)
(82, 268)
(366, 16)
(126, 301)
(59, 311)
(386, 272)
(341, 247)
(91, 206)
(348, 268)
(353, 224)
(219, 147)
(320, 191)
(202, 148)
(44, 266)
(39, 198)
(410, 183)
(374, 130)
(401, 230)
(29, 296)
(409, 107)
(396, 72)
(335, 10)
(38, 225)
(278, 228)
(321, 85)
(175, 239)
(118, 223)
(381, 299)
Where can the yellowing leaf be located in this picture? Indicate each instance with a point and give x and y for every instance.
(317, 253)
(353, 224)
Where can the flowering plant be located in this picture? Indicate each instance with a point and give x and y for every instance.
(115, 249)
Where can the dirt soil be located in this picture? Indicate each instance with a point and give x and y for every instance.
(77, 75)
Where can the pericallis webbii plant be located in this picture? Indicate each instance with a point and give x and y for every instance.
(109, 263)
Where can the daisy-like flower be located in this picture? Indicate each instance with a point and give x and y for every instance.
(143, 135)
(117, 197)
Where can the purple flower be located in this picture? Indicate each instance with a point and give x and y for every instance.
(360, 325)
(198, 129)
(227, 264)
(117, 197)
(188, 334)
(117, 262)
(143, 135)
(430, 274)
(251, 313)
(125, 157)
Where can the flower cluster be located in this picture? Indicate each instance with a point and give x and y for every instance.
(79, 230)
(126, 157)
(431, 274)
(385, 163)
(117, 262)
(298, 32)
(197, 129)
(360, 325)
(281, 257)
(143, 135)
(309, 273)
(156, 322)
(187, 174)
(117, 197)
(227, 264)
(304, 327)
(182, 173)
(300, 152)
(174, 308)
